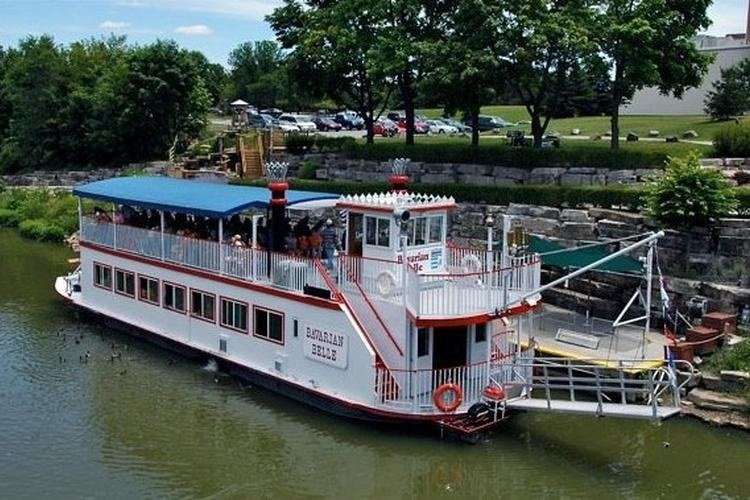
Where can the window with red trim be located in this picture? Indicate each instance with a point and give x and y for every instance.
(125, 282)
(102, 276)
(268, 325)
(148, 289)
(233, 314)
(203, 305)
(174, 297)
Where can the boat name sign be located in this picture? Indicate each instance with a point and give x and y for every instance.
(325, 346)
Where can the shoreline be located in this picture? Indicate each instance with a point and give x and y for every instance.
(715, 418)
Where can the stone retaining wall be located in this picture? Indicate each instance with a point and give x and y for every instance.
(718, 259)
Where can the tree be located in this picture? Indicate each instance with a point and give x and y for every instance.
(539, 43)
(4, 104)
(257, 73)
(650, 43)
(214, 76)
(164, 97)
(36, 85)
(336, 50)
(730, 95)
(462, 70)
(689, 195)
(412, 27)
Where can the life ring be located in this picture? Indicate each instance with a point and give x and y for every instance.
(471, 263)
(385, 282)
(458, 397)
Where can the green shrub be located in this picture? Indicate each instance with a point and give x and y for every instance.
(689, 195)
(298, 144)
(556, 196)
(8, 218)
(500, 153)
(307, 169)
(733, 140)
(743, 201)
(334, 144)
(41, 230)
(735, 357)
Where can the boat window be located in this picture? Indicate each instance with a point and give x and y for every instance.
(124, 283)
(435, 229)
(378, 231)
(480, 333)
(102, 276)
(174, 297)
(148, 289)
(234, 315)
(420, 230)
(202, 305)
(268, 325)
(423, 342)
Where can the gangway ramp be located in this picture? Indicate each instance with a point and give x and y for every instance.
(593, 408)
(558, 385)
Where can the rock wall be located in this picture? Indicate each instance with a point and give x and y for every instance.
(341, 168)
(65, 178)
(715, 264)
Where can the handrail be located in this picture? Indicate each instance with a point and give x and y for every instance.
(353, 279)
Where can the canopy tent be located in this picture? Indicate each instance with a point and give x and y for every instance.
(577, 258)
(192, 197)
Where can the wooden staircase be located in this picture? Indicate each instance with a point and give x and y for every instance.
(251, 156)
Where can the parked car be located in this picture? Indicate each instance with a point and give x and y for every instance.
(303, 122)
(395, 116)
(284, 126)
(349, 120)
(385, 127)
(262, 121)
(489, 123)
(464, 129)
(326, 123)
(275, 112)
(438, 127)
(420, 127)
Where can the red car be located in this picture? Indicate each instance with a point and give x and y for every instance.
(385, 127)
(420, 127)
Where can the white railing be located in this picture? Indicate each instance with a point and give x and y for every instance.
(281, 270)
(99, 232)
(598, 385)
(413, 390)
(139, 241)
(466, 259)
(455, 293)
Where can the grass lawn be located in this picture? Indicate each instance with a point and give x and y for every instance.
(569, 144)
(590, 125)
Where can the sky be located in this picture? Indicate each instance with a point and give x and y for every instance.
(214, 27)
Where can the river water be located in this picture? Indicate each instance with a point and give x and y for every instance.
(154, 425)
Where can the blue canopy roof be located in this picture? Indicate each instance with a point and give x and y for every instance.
(194, 197)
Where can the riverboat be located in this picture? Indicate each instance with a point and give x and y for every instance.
(400, 325)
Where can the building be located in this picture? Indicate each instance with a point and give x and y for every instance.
(728, 51)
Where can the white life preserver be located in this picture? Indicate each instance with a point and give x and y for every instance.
(471, 263)
(385, 283)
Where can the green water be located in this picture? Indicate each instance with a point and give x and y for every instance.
(155, 425)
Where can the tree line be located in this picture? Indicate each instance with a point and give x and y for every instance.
(98, 102)
(464, 52)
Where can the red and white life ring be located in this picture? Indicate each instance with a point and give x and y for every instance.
(441, 404)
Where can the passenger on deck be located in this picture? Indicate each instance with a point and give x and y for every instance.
(330, 243)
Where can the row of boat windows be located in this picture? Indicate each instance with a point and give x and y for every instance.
(233, 314)
(419, 230)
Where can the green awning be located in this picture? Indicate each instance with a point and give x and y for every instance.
(575, 259)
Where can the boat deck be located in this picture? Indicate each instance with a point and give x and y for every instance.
(627, 343)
